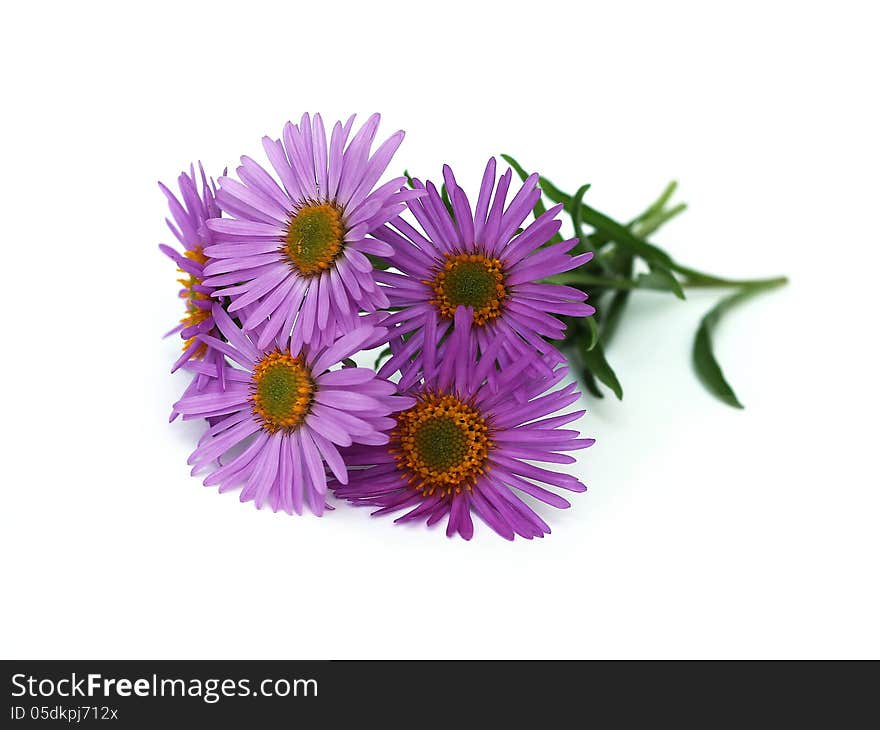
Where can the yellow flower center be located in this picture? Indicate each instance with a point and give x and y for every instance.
(315, 237)
(281, 391)
(473, 280)
(441, 443)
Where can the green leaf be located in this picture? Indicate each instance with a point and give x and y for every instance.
(575, 356)
(591, 385)
(409, 180)
(444, 195)
(592, 332)
(578, 277)
(650, 220)
(521, 172)
(349, 363)
(658, 278)
(650, 225)
(595, 362)
(658, 260)
(657, 206)
(539, 208)
(705, 364)
(378, 262)
(517, 168)
(620, 263)
(554, 193)
(384, 355)
(575, 211)
(610, 227)
(696, 278)
(612, 313)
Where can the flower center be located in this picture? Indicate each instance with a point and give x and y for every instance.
(314, 237)
(442, 443)
(194, 313)
(197, 254)
(473, 280)
(281, 391)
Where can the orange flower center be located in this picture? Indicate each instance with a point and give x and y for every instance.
(194, 313)
(281, 391)
(473, 280)
(441, 443)
(315, 237)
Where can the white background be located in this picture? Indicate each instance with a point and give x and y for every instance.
(706, 532)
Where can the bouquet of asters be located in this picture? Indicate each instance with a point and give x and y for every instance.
(486, 315)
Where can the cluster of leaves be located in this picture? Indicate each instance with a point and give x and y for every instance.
(624, 261)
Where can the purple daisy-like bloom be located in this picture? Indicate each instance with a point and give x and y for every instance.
(190, 213)
(297, 251)
(468, 446)
(482, 258)
(284, 413)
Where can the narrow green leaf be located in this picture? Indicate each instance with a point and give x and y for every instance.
(575, 212)
(578, 277)
(657, 258)
(615, 231)
(612, 313)
(655, 222)
(607, 258)
(384, 355)
(664, 198)
(539, 208)
(706, 365)
(656, 279)
(694, 278)
(623, 236)
(575, 356)
(554, 193)
(590, 384)
(592, 332)
(378, 262)
(349, 363)
(595, 362)
(409, 180)
(517, 168)
(658, 205)
(620, 264)
(619, 261)
(660, 278)
(444, 195)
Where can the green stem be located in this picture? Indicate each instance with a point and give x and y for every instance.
(572, 277)
(696, 279)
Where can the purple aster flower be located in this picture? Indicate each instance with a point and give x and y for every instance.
(298, 250)
(484, 259)
(190, 213)
(284, 413)
(467, 446)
